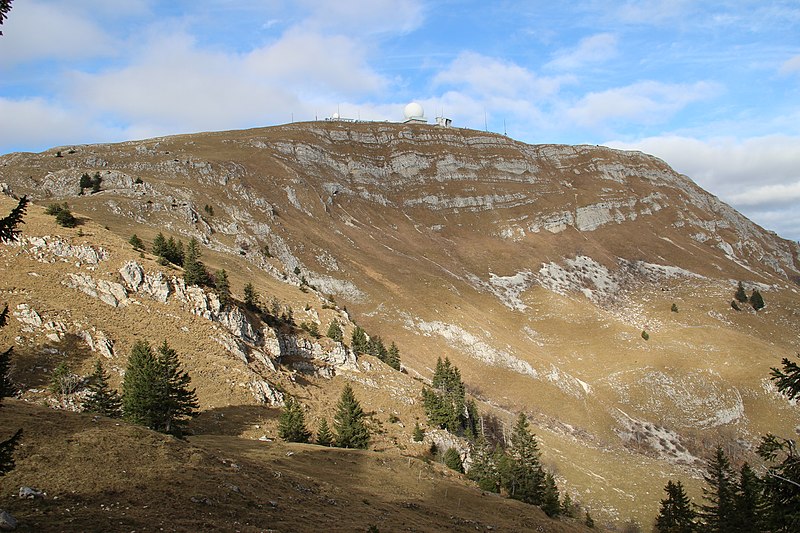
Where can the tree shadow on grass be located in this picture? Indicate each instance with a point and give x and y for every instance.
(32, 365)
(231, 420)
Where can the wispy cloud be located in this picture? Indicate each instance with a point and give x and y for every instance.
(645, 102)
(791, 66)
(593, 49)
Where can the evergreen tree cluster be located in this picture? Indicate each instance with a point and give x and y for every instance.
(92, 182)
(361, 343)
(64, 216)
(169, 250)
(194, 271)
(155, 392)
(755, 299)
(731, 503)
(445, 404)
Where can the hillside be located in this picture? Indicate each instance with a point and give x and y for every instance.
(534, 268)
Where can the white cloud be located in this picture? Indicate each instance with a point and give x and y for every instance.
(491, 77)
(364, 17)
(760, 176)
(39, 30)
(790, 66)
(593, 49)
(38, 122)
(652, 11)
(646, 102)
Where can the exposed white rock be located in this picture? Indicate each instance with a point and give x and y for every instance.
(114, 294)
(49, 249)
(28, 316)
(266, 393)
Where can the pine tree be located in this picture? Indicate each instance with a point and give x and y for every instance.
(717, 514)
(393, 357)
(223, 287)
(756, 300)
(348, 423)
(178, 402)
(251, 299)
(452, 460)
(292, 422)
(550, 498)
(567, 506)
(676, 514)
(155, 392)
(141, 386)
(101, 398)
(85, 182)
(526, 479)
(419, 434)
(324, 435)
(9, 232)
(136, 242)
(358, 341)
(740, 295)
(484, 469)
(376, 348)
(335, 331)
(781, 484)
(66, 219)
(748, 502)
(96, 181)
(160, 245)
(9, 223)
(787, 379)
(445, 404)
(194, 271)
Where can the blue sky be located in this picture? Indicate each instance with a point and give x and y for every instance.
(711, 87)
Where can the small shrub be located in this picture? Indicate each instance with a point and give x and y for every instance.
(138, 181)
(393, 419)
(452, 460)
(419, 434)
(63, 381)
(735, 306)
(66, 219)
(209, 210)
(645, 335)
(674, 308)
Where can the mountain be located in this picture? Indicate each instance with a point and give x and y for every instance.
(587, 287)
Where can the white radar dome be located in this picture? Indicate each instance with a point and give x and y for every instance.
(413, 110)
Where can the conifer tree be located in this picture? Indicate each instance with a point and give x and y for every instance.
(141, 386)
(358, 341)
(526, 478)
(393, 357)
(748, 502)
(376, 348)
(194, 271)
(718, 513)
(178, 401)
(85, 182)
(155, 392)
(136, 242)
(9, 232)
(550, 499)
(484, 469)
(445, 403)
(756, 300)
(251, 298)
(96, 181)
(419, 434)
(781, 484)
(223, 287)
(102, 399)
(676, 514)
(160, 245)
(348, 423)
(452, 460)
(741, 295)
(787, 379)
(9, 223)
(292, 422)
(567, 506)
(324, 435)
(335, 331)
